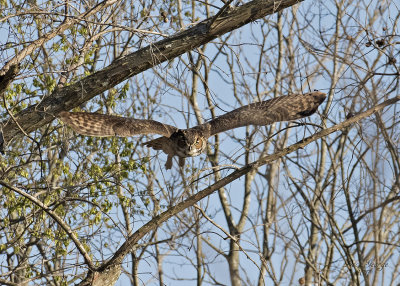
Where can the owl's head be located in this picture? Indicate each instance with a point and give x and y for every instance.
(188, 143)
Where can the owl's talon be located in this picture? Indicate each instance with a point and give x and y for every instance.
(181, 161)
(168, 164)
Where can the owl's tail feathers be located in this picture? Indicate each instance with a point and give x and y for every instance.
(164, 144)
(156, 144)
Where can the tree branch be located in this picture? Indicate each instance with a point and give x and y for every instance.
(8, 77)
(57, 219)
(5, 80)
(132, 240)
(58, 31)
(71, 96)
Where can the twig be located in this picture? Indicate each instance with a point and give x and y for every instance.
(59, 221)
(226, 233)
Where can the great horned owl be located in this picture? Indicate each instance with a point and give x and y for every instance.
(192, 141)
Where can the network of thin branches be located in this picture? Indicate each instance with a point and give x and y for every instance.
(313, 201)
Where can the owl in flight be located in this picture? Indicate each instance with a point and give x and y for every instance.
(192, 141)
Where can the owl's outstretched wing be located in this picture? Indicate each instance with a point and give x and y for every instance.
(283, 108)
(102, 125)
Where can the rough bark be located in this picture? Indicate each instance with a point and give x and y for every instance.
(132, 240)
(8, 77)
(73, 95)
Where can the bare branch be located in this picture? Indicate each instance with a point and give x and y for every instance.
(54, 216)
(123, 68)
(132, 241)
(58, 31)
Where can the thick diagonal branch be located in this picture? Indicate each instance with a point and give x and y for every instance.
(130, 244)
(123, 68)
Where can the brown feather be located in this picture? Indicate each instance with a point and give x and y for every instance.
(191, 142)
(102, 125)
(283, 108)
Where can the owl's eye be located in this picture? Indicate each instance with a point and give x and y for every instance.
(198, 144)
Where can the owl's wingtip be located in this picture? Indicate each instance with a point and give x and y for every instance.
(318, 95)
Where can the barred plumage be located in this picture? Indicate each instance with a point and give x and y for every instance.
(191, 142)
